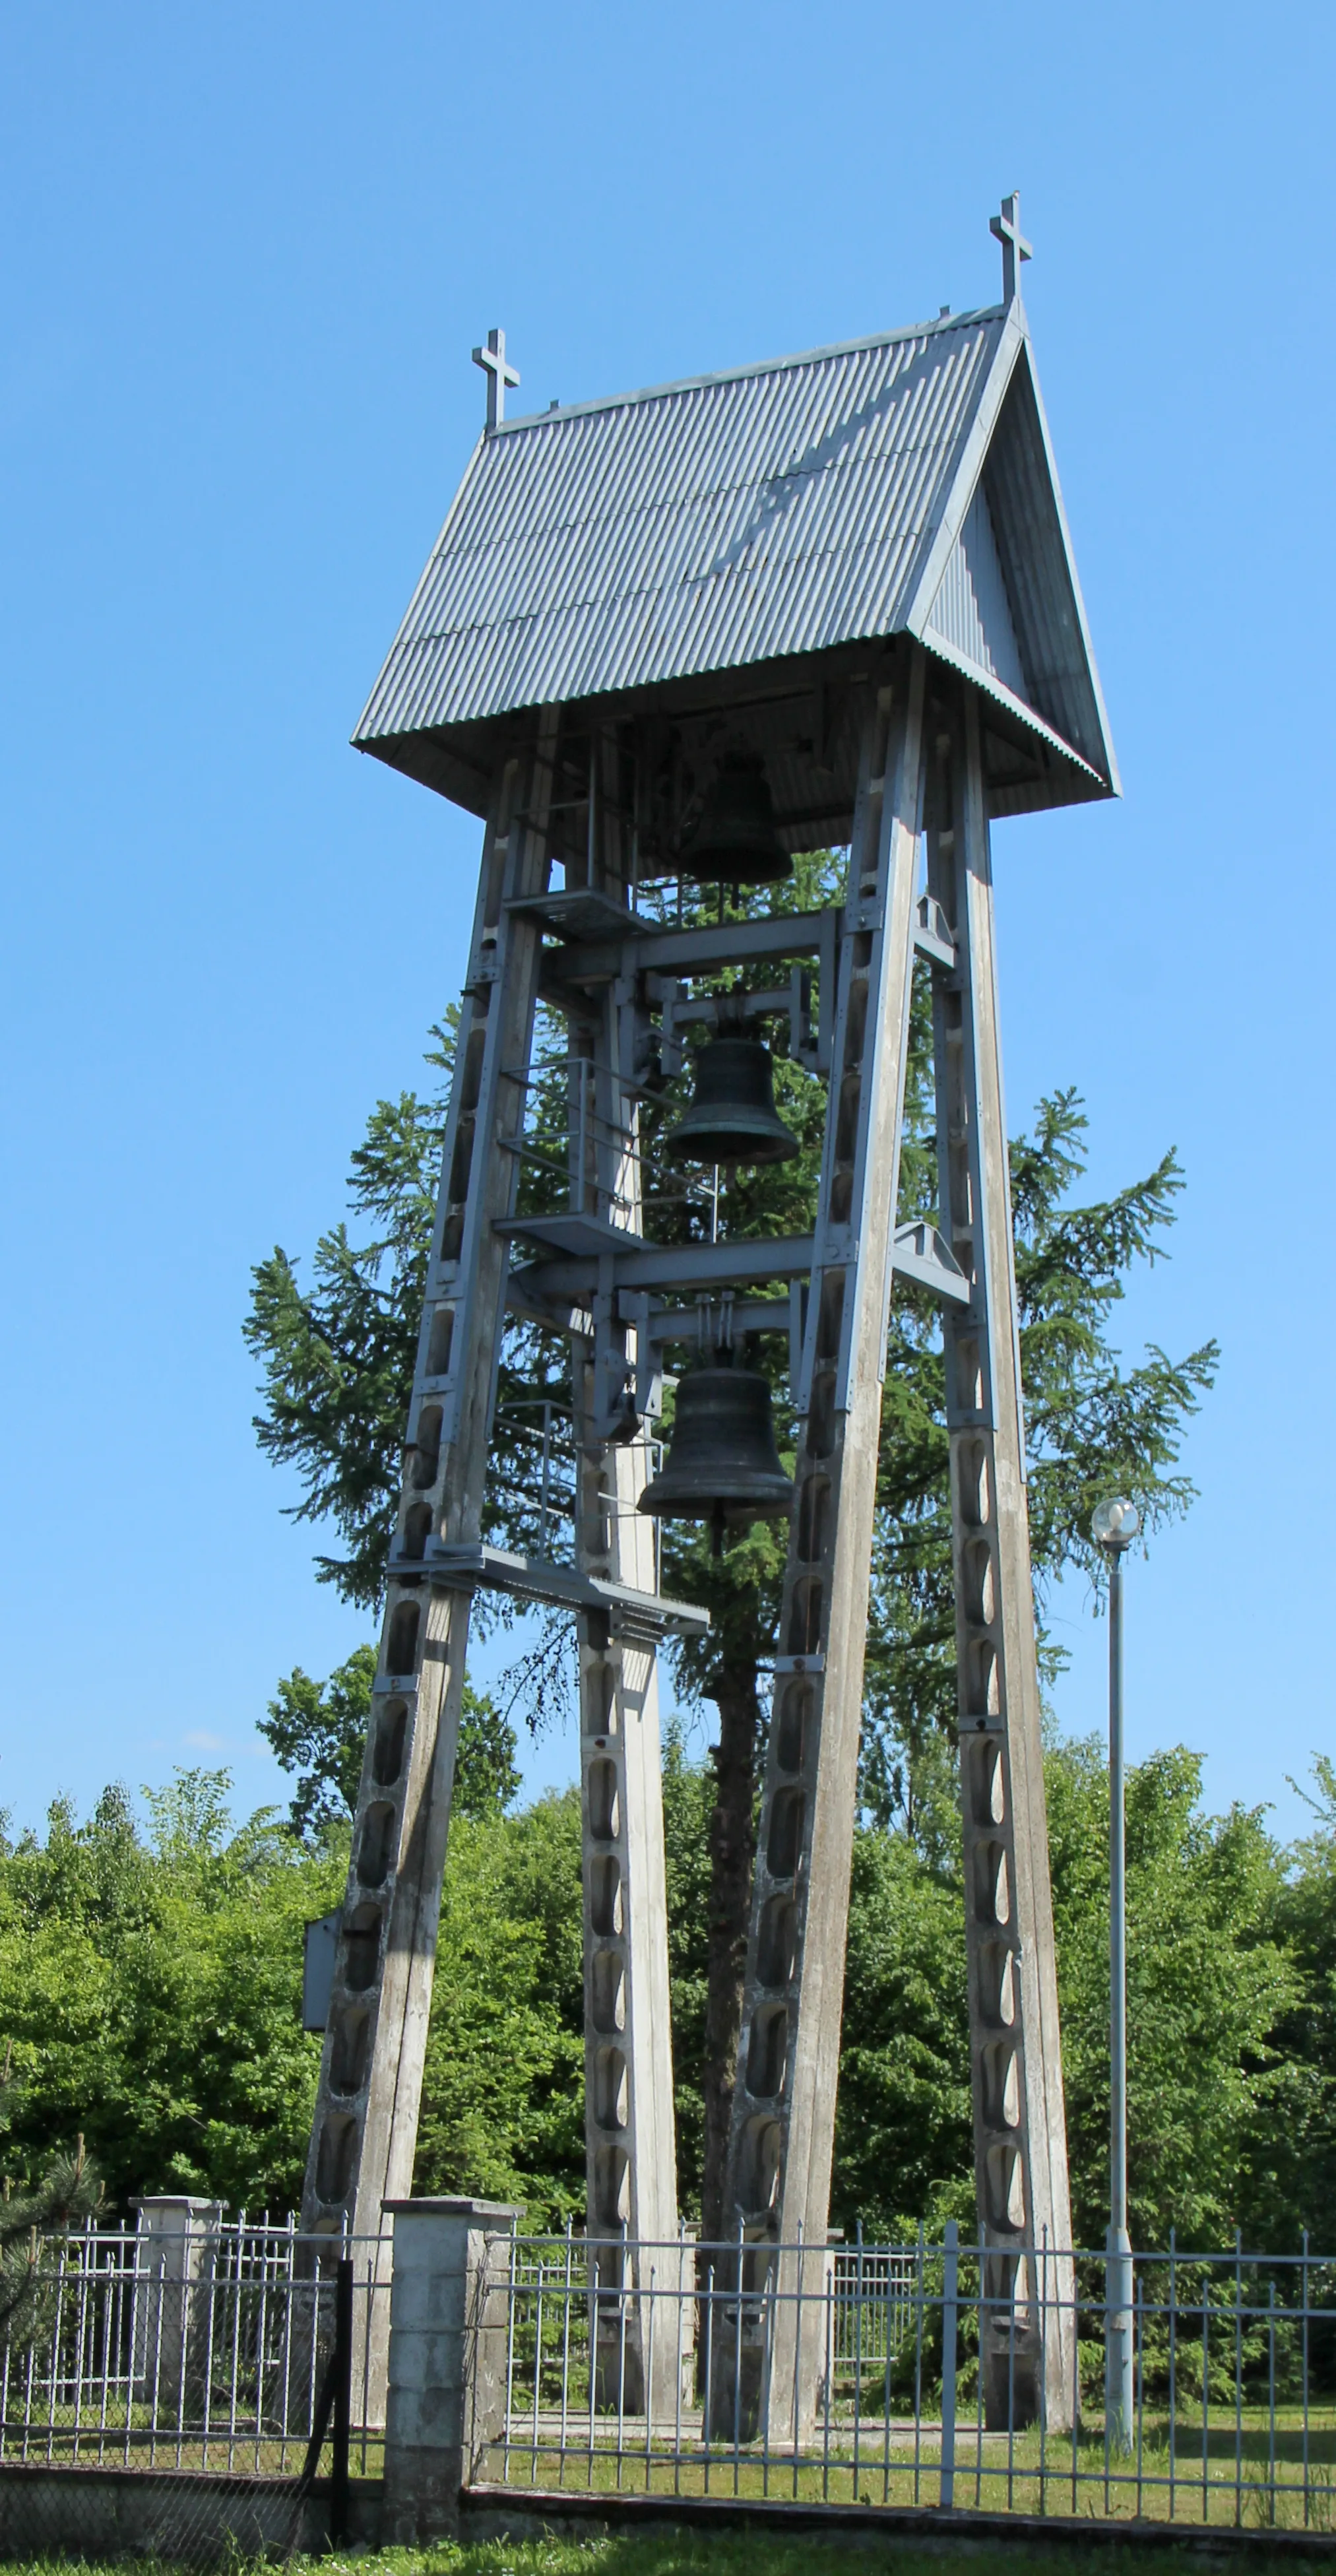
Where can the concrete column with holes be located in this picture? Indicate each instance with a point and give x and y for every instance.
(1015, 2050)
(778, 2187)
(447, 2359)
(365, 2126)
(629, 2123)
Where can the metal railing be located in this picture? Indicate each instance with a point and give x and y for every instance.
(953, 2375)
(204, 2348)
(946, 2375)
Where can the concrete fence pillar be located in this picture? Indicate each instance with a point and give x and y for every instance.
(447, 2364)
(175, 2250)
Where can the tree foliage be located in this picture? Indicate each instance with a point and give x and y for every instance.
(337, 1356)
(151, 1979)
(318, 1732)
(151, 1985)
(68, 2190)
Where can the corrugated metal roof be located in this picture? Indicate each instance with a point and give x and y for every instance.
(732, 519)
(972, 611)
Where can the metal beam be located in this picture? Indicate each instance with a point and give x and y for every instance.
(685, 1266)
(543, 1288)
(695, 951)
(630, 1613)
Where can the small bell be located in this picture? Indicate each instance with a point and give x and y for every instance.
(733, 1118)
(736, 840)
(722, 1464)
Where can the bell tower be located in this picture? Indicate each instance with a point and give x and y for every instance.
(677, 636)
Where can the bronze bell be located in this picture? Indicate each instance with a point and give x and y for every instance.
(733, 1118)
(722, 1465)
(736, 839)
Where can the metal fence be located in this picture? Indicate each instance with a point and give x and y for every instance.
(205, 2347)
(951, 2375)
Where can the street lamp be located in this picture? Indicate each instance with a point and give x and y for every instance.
(1114, 1527)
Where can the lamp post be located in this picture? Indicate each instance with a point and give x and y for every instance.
(1113, 1529)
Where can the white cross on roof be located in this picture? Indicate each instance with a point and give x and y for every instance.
(1006, 228)
(499, 374)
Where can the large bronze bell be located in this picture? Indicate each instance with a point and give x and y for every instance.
(736, 839)
(722, 1464)
(733, 1118)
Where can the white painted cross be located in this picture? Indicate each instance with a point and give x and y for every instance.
(499, 374)
(1006, 228)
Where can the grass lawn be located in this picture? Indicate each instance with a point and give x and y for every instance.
(669, 2553)
(1255, 2468)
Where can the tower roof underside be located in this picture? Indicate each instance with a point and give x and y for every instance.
(902, 484)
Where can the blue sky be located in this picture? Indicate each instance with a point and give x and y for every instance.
(247, 254)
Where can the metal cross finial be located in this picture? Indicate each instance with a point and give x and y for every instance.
(1006, 228)
(499, 374)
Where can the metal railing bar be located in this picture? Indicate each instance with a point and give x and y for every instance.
(978, 2379)
(1271, 2378)
(1305, 2281)
(1173, 2375)
(1205, 2402)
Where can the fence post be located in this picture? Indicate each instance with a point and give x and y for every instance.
(950, 2299)
(175, 2245)
(343, 2399)
(447, 2364)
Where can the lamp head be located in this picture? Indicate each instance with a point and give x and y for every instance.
(1115, 1524)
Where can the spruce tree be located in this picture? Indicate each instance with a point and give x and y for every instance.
(69, 2192)
(337, 1362)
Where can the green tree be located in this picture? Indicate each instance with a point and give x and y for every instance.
(150, 1981)
(150, 1990)
(336, 1358)
(69, 2190)
(318, 1732)
(1290, 2168)
(503, 2086)
(1093, 1426)
(1208, 1982)
(1212, 1984)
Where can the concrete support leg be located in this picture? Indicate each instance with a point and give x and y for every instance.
(365, 2128)
(1015, 2050)
(447, 2359)
(778, 2187)
(629, 2122)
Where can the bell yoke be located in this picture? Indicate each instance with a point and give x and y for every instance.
(677, 637)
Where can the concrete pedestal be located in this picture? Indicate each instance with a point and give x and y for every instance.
(447, 2366)
(174, 2250)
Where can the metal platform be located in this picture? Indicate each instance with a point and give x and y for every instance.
(630, 1614)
